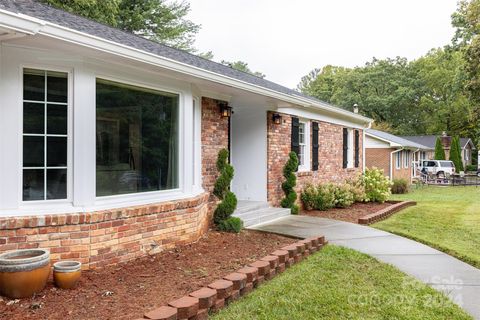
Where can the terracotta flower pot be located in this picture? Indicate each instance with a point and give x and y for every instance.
(66, 274)
(24, 272)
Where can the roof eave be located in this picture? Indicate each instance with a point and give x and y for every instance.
(32, 26)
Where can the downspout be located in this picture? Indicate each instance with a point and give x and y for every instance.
(391, 162)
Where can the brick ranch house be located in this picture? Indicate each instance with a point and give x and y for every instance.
(397, 157)
(109, 140)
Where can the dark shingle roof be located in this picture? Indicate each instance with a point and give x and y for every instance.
(398, 140)
(430, 140)
(47, 13)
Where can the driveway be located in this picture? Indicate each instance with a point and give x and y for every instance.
(458, 280)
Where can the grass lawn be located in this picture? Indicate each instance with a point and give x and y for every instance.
(340, 283)
(446, 218)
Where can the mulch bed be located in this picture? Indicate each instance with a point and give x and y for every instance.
(351, 214)
(127, 291)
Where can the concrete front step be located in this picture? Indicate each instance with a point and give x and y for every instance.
(244, 206)
(262, 215)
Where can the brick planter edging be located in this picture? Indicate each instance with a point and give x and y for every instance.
(385, 213)
(199, 304)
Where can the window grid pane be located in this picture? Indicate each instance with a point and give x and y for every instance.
(45, 138)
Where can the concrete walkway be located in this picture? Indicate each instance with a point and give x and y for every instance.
(458, 280)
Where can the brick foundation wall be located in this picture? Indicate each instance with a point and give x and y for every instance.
(109, 237)
(330, 157)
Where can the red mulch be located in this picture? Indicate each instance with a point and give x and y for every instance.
(350, 214)
(128, 291)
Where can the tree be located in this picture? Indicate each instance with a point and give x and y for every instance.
(439, 151)
(242, 66)
(157, 20)
(456, 154)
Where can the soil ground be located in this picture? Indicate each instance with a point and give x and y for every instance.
(350, 214)
(129, 290)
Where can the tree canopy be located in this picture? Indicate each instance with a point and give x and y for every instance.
(437, 92)
(157, 20)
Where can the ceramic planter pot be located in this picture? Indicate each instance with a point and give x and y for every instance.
(66, 274)
(24, 272)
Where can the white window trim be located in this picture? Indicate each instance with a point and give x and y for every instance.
(350, 149)
(398, 160)
(149, 196)
(306, 163)
(48, 203)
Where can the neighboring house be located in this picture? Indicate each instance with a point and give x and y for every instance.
(397, 157)
(109, 141)
(429, 140)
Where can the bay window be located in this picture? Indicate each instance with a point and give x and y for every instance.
(45, 135)
(136, 139)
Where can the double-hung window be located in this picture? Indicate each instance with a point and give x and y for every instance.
(301, 143)
(406, 158)
(45, 135)
(398, 159)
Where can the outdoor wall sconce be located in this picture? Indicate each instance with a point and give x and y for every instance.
(225, 110)
(276, 118)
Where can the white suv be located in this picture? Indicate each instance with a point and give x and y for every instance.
(440, 168)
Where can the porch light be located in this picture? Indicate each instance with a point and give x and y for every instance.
(225, 110)
(355, 108)
(276, 118)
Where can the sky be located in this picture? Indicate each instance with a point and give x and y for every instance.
(286, 39)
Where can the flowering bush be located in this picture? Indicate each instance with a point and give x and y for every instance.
(319, 197)
(343, 194)
(377, 186)
(358, 189)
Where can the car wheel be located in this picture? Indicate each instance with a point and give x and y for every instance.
(441, 175)
(478, 174)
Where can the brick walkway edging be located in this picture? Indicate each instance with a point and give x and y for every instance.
(199, 304)
(385, 213)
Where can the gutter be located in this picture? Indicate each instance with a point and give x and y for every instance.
(391, 162)
(32, 26)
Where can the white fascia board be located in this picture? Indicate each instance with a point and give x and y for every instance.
(20, 23)
(315, 114)
(86, 40)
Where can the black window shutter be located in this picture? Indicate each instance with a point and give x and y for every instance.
(345, 147)
(314, 146)
(357, 148)
(295, 135)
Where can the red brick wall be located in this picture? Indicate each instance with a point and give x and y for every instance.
(380, 158)
(214, 138)
(108, 237)
(330, 157)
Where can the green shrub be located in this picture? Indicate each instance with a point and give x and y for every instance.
(343, 196)
(290, 182)
(377, 186)
(399, 186)
(471, 167)
(358, 189)
(222, 191)
(309, 197)
(232, 224)
(318, 198)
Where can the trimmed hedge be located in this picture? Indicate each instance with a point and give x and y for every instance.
(289, 184)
